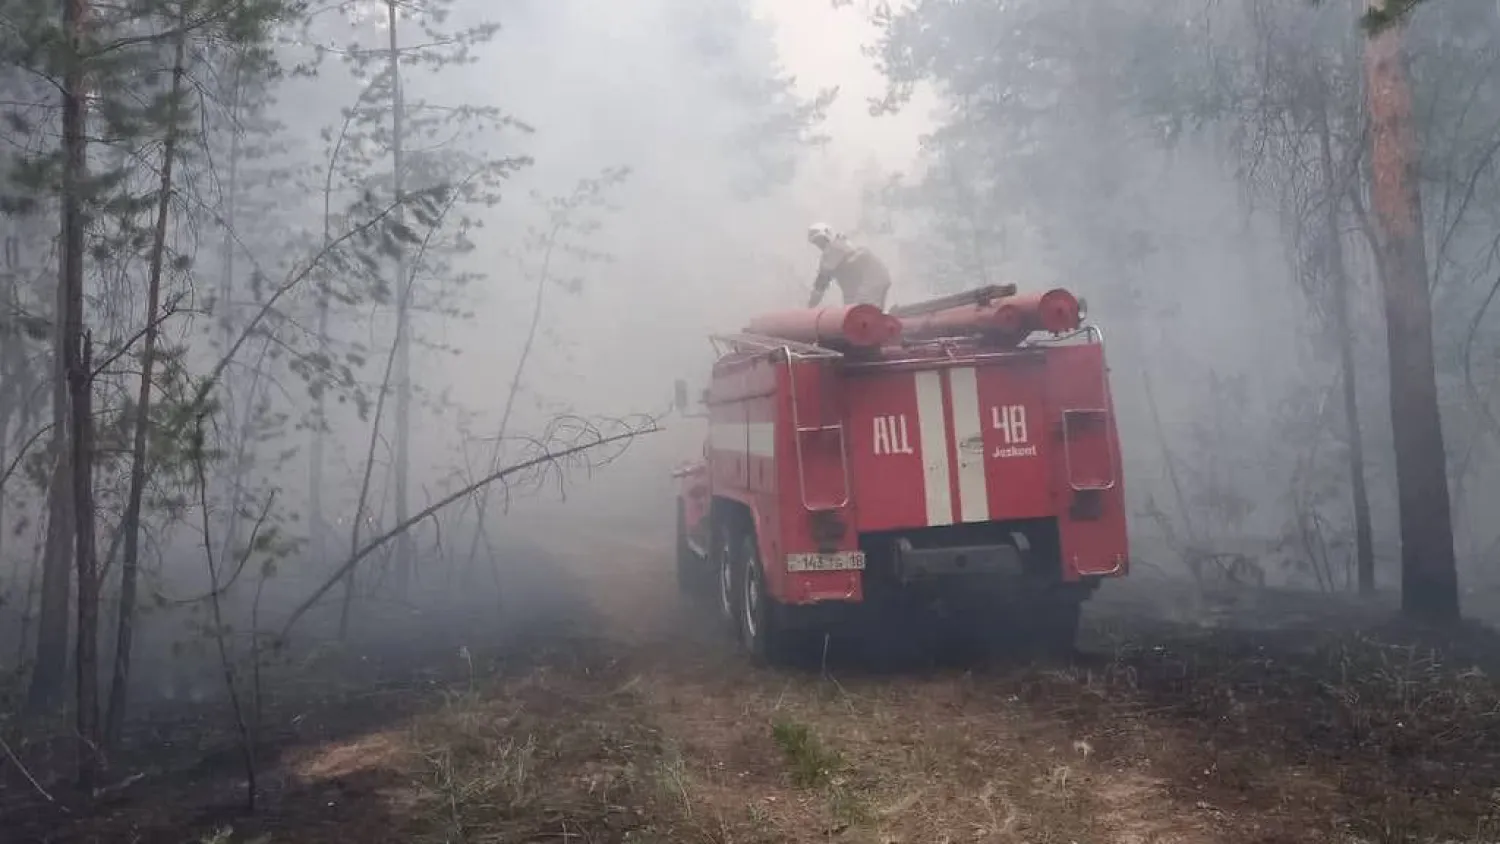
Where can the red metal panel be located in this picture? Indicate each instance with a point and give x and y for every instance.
(742, 414)
(816, 434)
(886, 454)
(813, 480)
(815, 587)
(1091, 523)
(1018, 430)
(693, 492)
(763, 437)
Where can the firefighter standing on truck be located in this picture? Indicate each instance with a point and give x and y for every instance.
(862, 277)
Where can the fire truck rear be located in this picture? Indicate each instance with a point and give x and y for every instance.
(957, 458)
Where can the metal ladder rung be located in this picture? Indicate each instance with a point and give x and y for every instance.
(799, 429)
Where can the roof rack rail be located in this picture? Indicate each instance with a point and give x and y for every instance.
(763, 343)
(977, 296)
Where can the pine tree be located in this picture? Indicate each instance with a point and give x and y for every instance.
(393, 143)
(1429, 572)
(91, 179)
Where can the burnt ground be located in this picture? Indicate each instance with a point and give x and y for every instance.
(601, 709)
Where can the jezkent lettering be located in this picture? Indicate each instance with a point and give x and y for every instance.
(1010, 421)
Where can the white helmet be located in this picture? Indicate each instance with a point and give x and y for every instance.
(819, 231)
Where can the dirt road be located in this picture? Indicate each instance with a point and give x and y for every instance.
(606, 709)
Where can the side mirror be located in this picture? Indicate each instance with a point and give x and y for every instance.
(679, 395)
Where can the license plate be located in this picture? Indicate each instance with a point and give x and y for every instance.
(840, 561)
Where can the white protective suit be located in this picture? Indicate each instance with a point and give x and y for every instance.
(861, 277)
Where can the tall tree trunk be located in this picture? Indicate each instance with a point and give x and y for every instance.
(11, 349)
(131, 523)
(49, 677)
(1338, 275)
(81, 383)
(1364, 546)
(235, 480)
(317, 527)
(317, 520)
(14, 390)
(1429, 577)
(403, 309)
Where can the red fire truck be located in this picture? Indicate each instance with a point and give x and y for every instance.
(957, 456)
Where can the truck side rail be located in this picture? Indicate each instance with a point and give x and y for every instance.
(976, 353)
(760, 343)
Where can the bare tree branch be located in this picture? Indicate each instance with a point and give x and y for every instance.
(293, 279)
(547, 458)
(15, 760)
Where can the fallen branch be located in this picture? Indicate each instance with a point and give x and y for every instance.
(15, 760)
(374, 544)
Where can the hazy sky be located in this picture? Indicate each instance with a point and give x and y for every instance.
(822, 47)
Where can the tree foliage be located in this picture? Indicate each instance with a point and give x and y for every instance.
(1065, 129)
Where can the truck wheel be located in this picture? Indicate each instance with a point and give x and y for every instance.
(726, 569)
(758, 628)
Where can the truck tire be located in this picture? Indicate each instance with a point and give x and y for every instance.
(725, 566)
(759, 631)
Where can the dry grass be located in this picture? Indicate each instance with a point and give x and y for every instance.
(810, 763)
(795, 758)
(934, 762)
(550, 754)
(1288, 723)
(1331, 726)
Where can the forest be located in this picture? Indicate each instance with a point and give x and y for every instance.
(337, 345)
